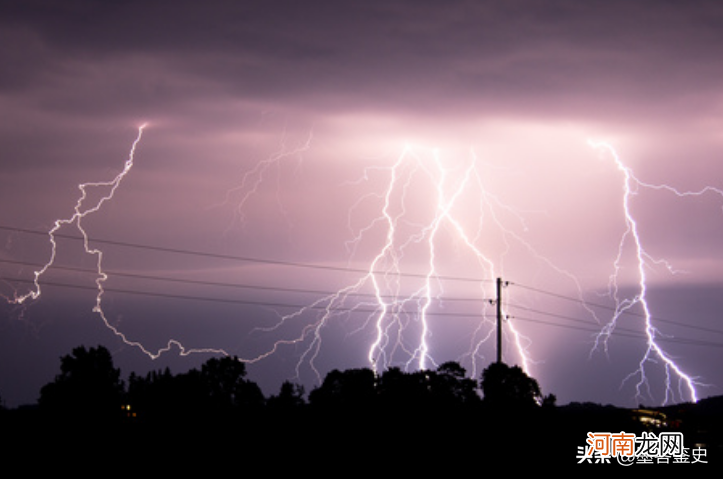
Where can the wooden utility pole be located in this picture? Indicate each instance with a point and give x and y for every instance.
(499, 320)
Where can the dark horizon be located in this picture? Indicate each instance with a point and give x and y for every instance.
(494, 415)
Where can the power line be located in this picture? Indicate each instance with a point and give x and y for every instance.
(313, 306)
(589, 322)
(614, 309)
(223, 284)
(624, 332)
(569, 298)
(247, 259)
(308, 291)
(555, 315)
(618, 331)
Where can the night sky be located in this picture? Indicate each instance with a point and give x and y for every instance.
(284, 139)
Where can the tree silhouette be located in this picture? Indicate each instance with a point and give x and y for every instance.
(218, 390)
(289, 399)
(452, 388)
(226, 386)
(350, 389)
(347, 407)
(88, 386)
(509, 387)
(154, 395)
(286, 414)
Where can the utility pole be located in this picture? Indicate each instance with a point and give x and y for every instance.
(499, 320)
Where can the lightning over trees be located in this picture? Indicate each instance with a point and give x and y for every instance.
(632, 238)
(85, 207)
(418, 216)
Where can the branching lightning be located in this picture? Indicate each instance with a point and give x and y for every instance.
(421, 205)
(401, 322)
(254, 177)
(404, 292)
(81, 211)
(654, 353)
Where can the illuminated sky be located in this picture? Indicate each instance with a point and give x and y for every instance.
(327, 97)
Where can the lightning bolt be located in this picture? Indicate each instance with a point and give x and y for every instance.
(397, 294)
(84, 208)
(654, 353)
(397, 303)
(254, 177)
(80, 212)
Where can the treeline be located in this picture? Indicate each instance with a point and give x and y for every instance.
(90, 387)
(500, 416)
(216, 415)
(438, 416)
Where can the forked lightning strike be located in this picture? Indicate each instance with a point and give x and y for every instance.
(397, 292)
(398, 315)
(654, 353)
(80, 212)
(254, 177)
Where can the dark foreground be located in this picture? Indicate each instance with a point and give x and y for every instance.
(213, 420)
(357, 441)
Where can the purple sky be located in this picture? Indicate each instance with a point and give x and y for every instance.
(318, 101)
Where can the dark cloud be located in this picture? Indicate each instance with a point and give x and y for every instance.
(462, 57)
